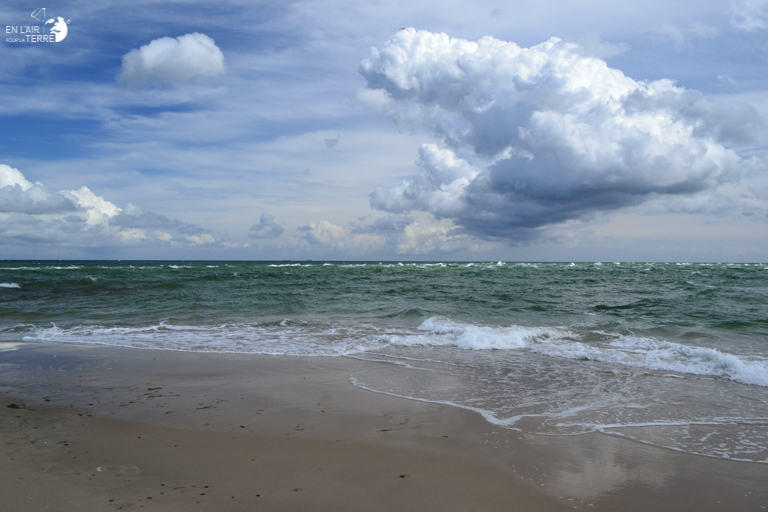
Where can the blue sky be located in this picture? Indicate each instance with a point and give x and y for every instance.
(320, 130)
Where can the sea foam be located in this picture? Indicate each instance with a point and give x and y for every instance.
(639, 352)
(296, 338)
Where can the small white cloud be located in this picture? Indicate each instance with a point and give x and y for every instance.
(172, 60)
(235, 245)
(323, 233)
(203, 239)
(727, 79)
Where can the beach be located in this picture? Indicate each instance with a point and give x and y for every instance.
(107, 428)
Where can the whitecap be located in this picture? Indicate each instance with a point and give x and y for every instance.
(632, 351)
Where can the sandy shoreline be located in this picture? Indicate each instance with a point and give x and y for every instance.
(151, 429)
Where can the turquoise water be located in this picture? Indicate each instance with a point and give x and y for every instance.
(671, 354)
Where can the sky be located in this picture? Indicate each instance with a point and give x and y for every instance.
(539, 130)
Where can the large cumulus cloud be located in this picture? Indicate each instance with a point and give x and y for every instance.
(537, 136)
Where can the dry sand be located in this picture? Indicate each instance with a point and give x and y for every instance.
(103, 428)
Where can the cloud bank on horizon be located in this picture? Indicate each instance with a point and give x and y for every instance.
(555, 134)
(30, 213)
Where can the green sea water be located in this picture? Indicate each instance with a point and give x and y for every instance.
(675, 354)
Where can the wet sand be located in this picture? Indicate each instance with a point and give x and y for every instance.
(104, 428)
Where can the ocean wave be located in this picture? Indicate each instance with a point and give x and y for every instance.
(665, 355)
(638, 352)
(272, 338)
(71, 267)
(443, 331)
(9, 285)
(285, 337)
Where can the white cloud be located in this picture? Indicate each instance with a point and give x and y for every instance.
(173, 60)
(562, 134)
(391, 235)
(19, 195)
(133, 234)
(324, 235)
(202, 239)
(438, 190)
(419, 238)
(97, 209)
(10, 177)
(749, 15)
(234, 245)
(376, 100)
(29, 213)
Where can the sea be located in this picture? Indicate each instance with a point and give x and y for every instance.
(669, 354)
